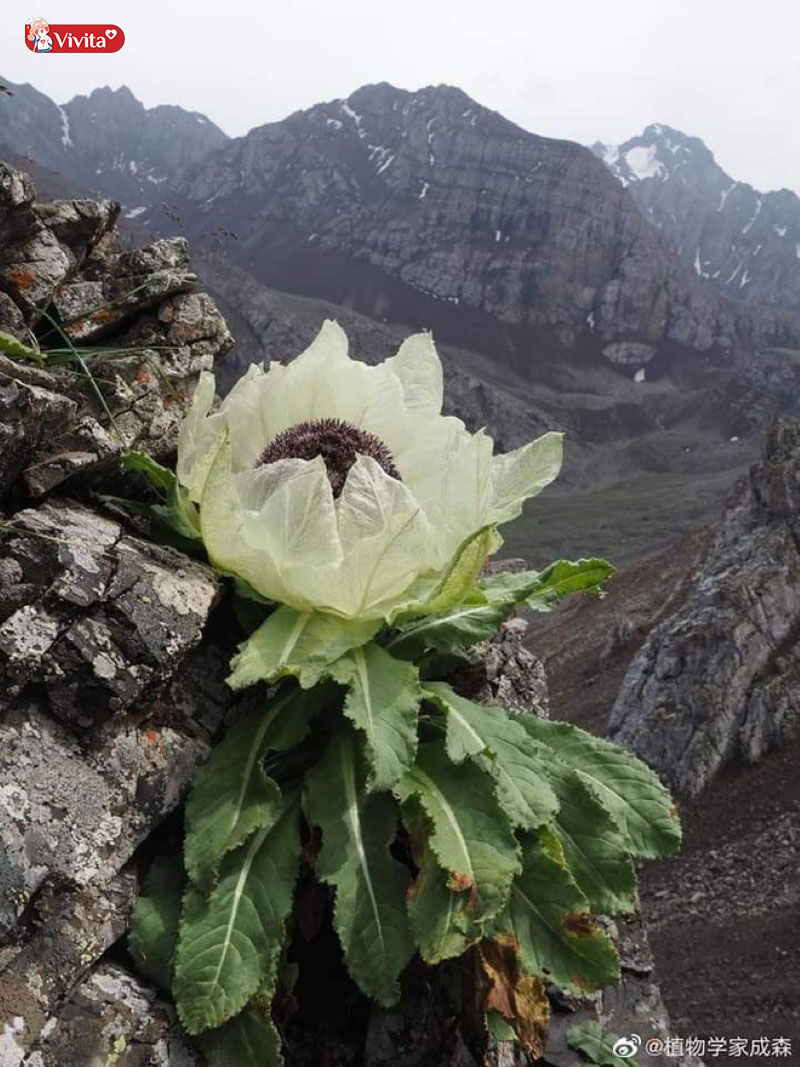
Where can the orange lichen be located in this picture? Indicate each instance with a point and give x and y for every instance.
(23, 279)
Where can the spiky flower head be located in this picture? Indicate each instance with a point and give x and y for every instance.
(335, 486)
(337, 442)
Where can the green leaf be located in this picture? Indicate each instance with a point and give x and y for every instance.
(637, 801)
(471, 837)
(479, 613)
(499, 1029)
(516, 762)
(178, 513)
(439, 918)
(357, 830)
(542, 590)
(597, 1045)
(594, 849)
(230, 950)
(382, 701)
(248, 1040)
(15, 348)
(299, 643)
(547, 921)
(154, 923)
(160, 477)
(232, 797)
(460, 627)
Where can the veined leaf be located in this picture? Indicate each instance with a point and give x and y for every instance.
(382, 701)
(15, 348)
(542, 590)
(357, 830)
(516, 762)
(232, 797)
(470, 836)
(637, 801)
(248, 1040)
(597, 1045)
(303, 644)
(478, 615)
(595, 851)
(461, 626)
(548, 922)
(230, 950)
(439, 917)
(154, 923)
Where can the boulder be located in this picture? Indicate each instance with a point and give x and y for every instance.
(718, 679)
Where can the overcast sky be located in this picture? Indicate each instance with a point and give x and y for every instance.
(723, 70)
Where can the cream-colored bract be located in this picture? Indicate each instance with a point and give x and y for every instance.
(370, 552)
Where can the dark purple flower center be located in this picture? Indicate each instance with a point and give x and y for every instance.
(336, 441)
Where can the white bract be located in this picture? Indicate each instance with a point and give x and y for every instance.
(383, 543)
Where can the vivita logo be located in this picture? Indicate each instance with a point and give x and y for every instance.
(41, 36)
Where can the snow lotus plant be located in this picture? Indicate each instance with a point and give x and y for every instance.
(356, 520)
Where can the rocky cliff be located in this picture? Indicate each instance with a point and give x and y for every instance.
(746, 243)
(717, 680)
(395, 202)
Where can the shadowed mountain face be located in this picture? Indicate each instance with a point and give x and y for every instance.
(744, 242)
(107, 141)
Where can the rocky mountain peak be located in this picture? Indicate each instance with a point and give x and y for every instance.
(746, 243)
(658, 154)
(106, 140)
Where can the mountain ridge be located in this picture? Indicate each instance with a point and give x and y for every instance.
(400, 210)
(744, 242)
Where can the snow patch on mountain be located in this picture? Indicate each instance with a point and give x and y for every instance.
(362, 133)
(723, 196)
(746, 228)
(643, 162)
(66, 139)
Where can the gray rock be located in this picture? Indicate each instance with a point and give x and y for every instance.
(75, 419)
(718, 679)
(31, 417)
(11, 319)
(108, 617)
(132, 282)
(73, 928)
(113, 1020)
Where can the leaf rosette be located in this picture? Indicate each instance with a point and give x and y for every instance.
(357, 520)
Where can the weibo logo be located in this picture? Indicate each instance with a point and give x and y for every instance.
(40, 36)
